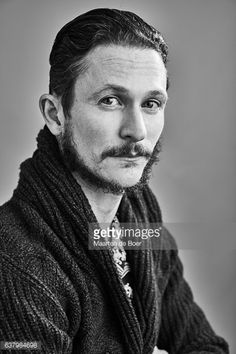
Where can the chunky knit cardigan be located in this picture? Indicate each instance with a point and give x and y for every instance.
(53, 289)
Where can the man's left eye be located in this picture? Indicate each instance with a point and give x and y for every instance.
(152, 105)
(109, 101)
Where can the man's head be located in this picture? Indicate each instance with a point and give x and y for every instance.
(108, 85)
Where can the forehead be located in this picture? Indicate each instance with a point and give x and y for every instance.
(129, 67)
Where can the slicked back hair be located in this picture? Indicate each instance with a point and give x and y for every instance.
(78, 37)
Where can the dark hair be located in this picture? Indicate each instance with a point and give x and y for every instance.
(100, 26)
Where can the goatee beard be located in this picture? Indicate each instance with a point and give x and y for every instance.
(77, 166)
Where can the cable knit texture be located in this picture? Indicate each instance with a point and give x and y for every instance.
(57, 291)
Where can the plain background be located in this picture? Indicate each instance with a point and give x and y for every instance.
(195, 179)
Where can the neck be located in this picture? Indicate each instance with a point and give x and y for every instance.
(104, 205)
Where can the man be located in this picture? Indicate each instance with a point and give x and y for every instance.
(104, 117)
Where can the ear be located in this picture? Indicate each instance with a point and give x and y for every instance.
(52, 112)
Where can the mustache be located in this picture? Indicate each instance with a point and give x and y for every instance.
(127, 150)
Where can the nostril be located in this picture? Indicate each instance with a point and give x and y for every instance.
(133, 132)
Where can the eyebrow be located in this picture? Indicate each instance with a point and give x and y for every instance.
(123, 90)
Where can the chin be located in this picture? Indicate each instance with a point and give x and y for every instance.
(127, 181)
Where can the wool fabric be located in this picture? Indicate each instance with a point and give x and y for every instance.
(57, 291)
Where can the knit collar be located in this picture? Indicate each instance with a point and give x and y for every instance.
(47, 187)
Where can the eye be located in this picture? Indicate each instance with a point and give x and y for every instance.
(152, 105)
(109, 101)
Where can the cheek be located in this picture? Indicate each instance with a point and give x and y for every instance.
(155, 128)
(90, 135)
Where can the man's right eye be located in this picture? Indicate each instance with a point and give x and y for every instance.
(109, 101)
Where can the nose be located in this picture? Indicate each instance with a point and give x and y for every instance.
(133, 126)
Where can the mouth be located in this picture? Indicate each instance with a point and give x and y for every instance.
(130, 157)
(130, 161)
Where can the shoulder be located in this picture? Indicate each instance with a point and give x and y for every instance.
(16, 238)
(26, 255)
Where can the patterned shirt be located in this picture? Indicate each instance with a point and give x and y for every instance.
(123, 267)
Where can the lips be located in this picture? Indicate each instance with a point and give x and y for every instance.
(129, 156)
(133, 157)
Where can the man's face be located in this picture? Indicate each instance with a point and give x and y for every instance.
(116, 118)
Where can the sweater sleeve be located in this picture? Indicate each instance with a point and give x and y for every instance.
(29, 312)
(184, 327)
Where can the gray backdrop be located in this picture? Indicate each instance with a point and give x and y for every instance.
(195, 180)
